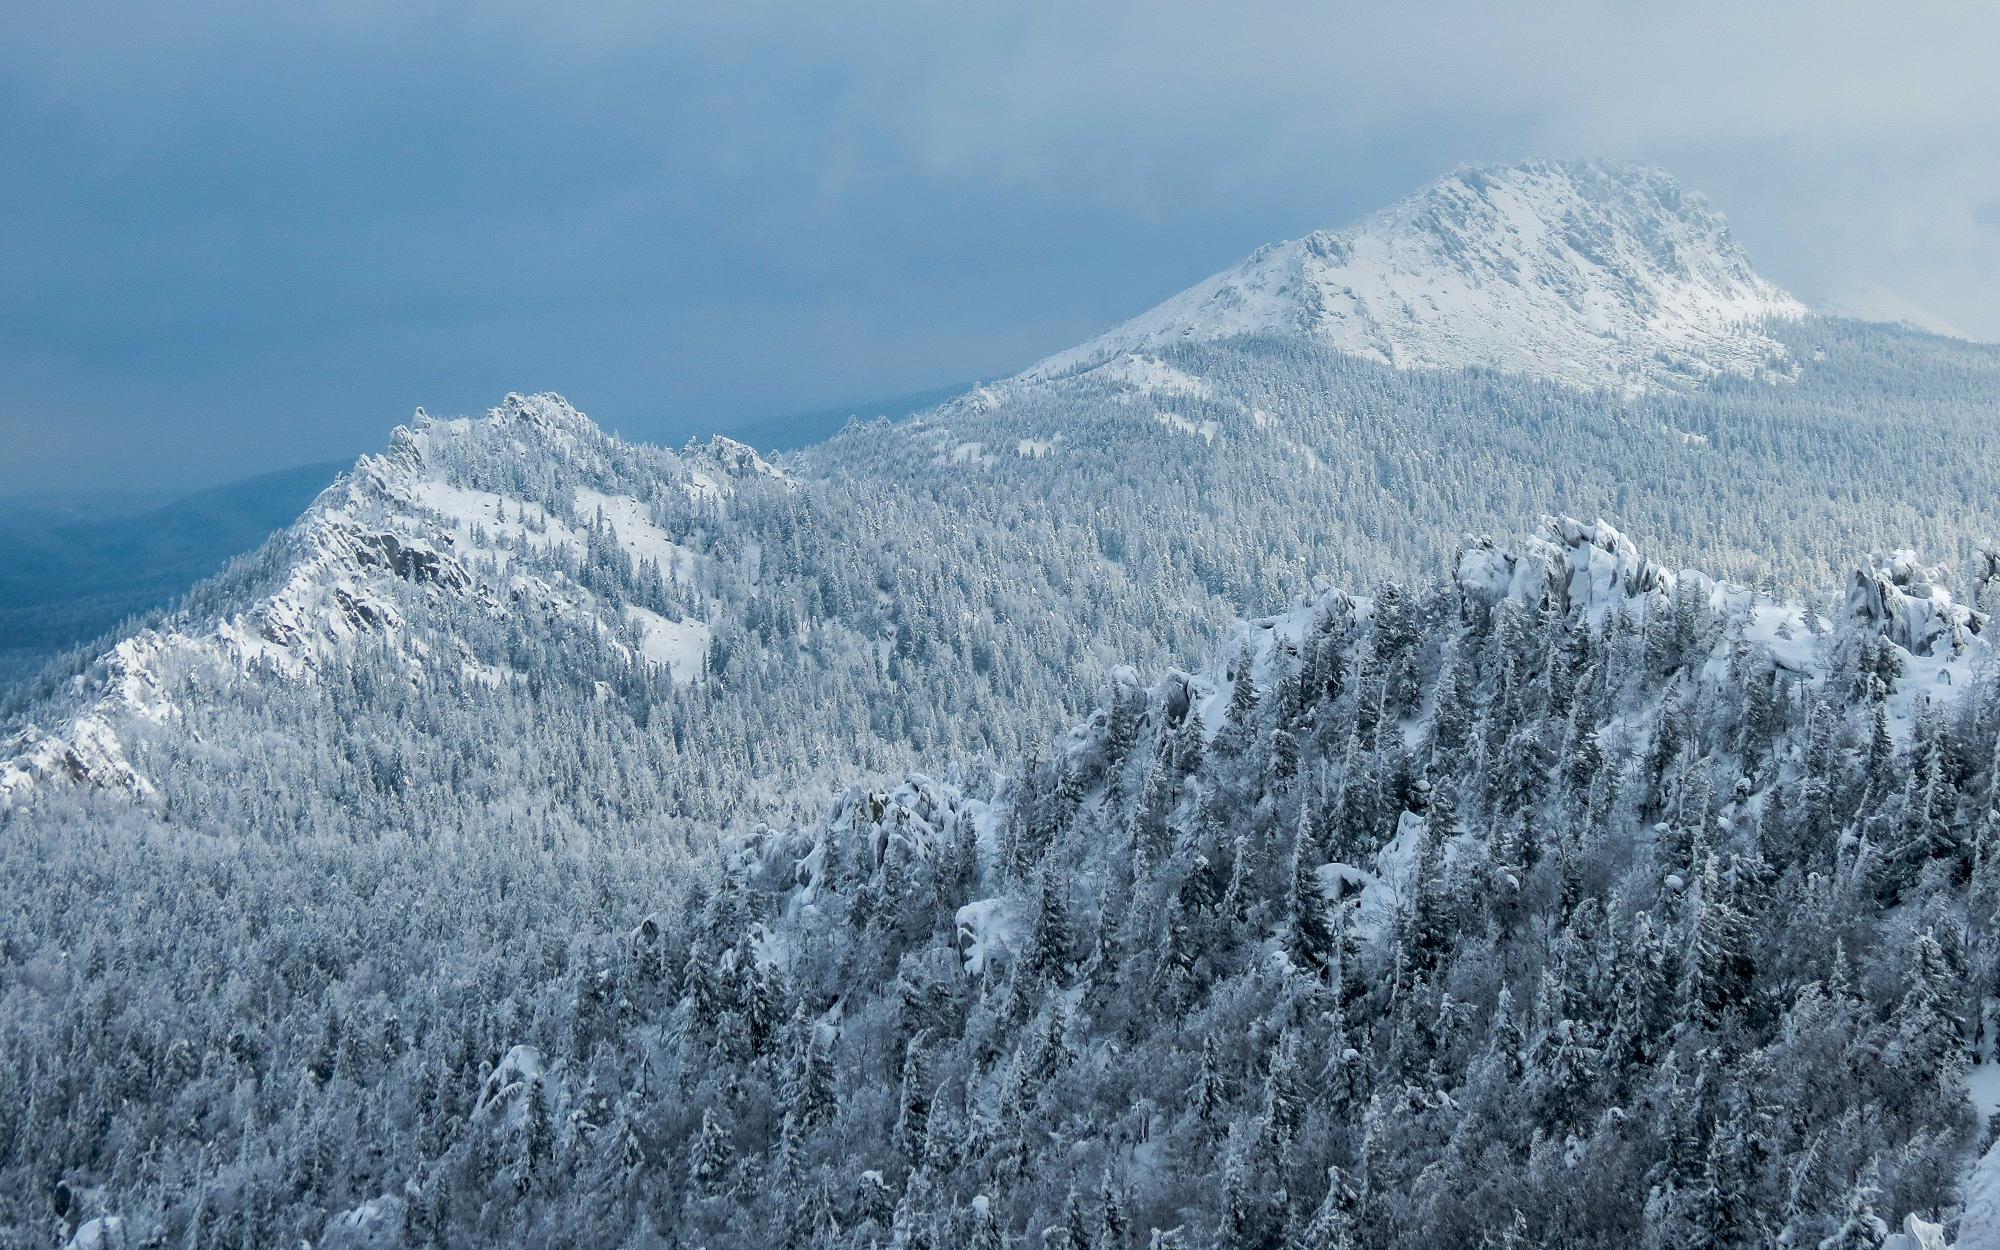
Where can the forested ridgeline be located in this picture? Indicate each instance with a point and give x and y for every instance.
(1559, 901)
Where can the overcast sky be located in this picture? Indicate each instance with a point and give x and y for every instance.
(235, 236)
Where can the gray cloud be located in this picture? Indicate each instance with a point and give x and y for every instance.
(240, 235)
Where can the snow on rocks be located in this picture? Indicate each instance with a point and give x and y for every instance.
(1604, 568)
(1377, 896)
(1917, 1234)
(88, 753)
(1488, 573)
(90, 750)
(1986, 579)
(713, 468)
(1083, 750)
(1907, 602)
(1894, 598)
(741, 460)
(1592, 568)
(989, 932)
(1937, 642)
(917, 817)
(376, 1224)
(1338, 882)
(102, 1233)
(504, 1092)
(547, 414)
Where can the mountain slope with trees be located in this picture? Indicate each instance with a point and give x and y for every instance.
(950, 586)
(465, 866)
(1563, 900)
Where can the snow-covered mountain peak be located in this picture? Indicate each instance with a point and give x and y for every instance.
(736, 460)
(1590, 274)
(546, 412)
(543, 422)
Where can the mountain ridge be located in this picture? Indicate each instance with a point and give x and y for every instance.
(402, 525)
(998, 554)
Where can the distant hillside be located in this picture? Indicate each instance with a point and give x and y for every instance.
(68, 577)
(803, 429)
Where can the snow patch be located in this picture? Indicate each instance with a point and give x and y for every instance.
(631, 523)
(680, 647)
(704, 486)
(974, 454)
(1149, 375)
(514, 522)
(1206, 431)
(102, 1233)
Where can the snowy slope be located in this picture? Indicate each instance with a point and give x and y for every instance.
(1591, 275)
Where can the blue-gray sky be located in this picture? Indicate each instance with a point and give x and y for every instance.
(241, 235)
